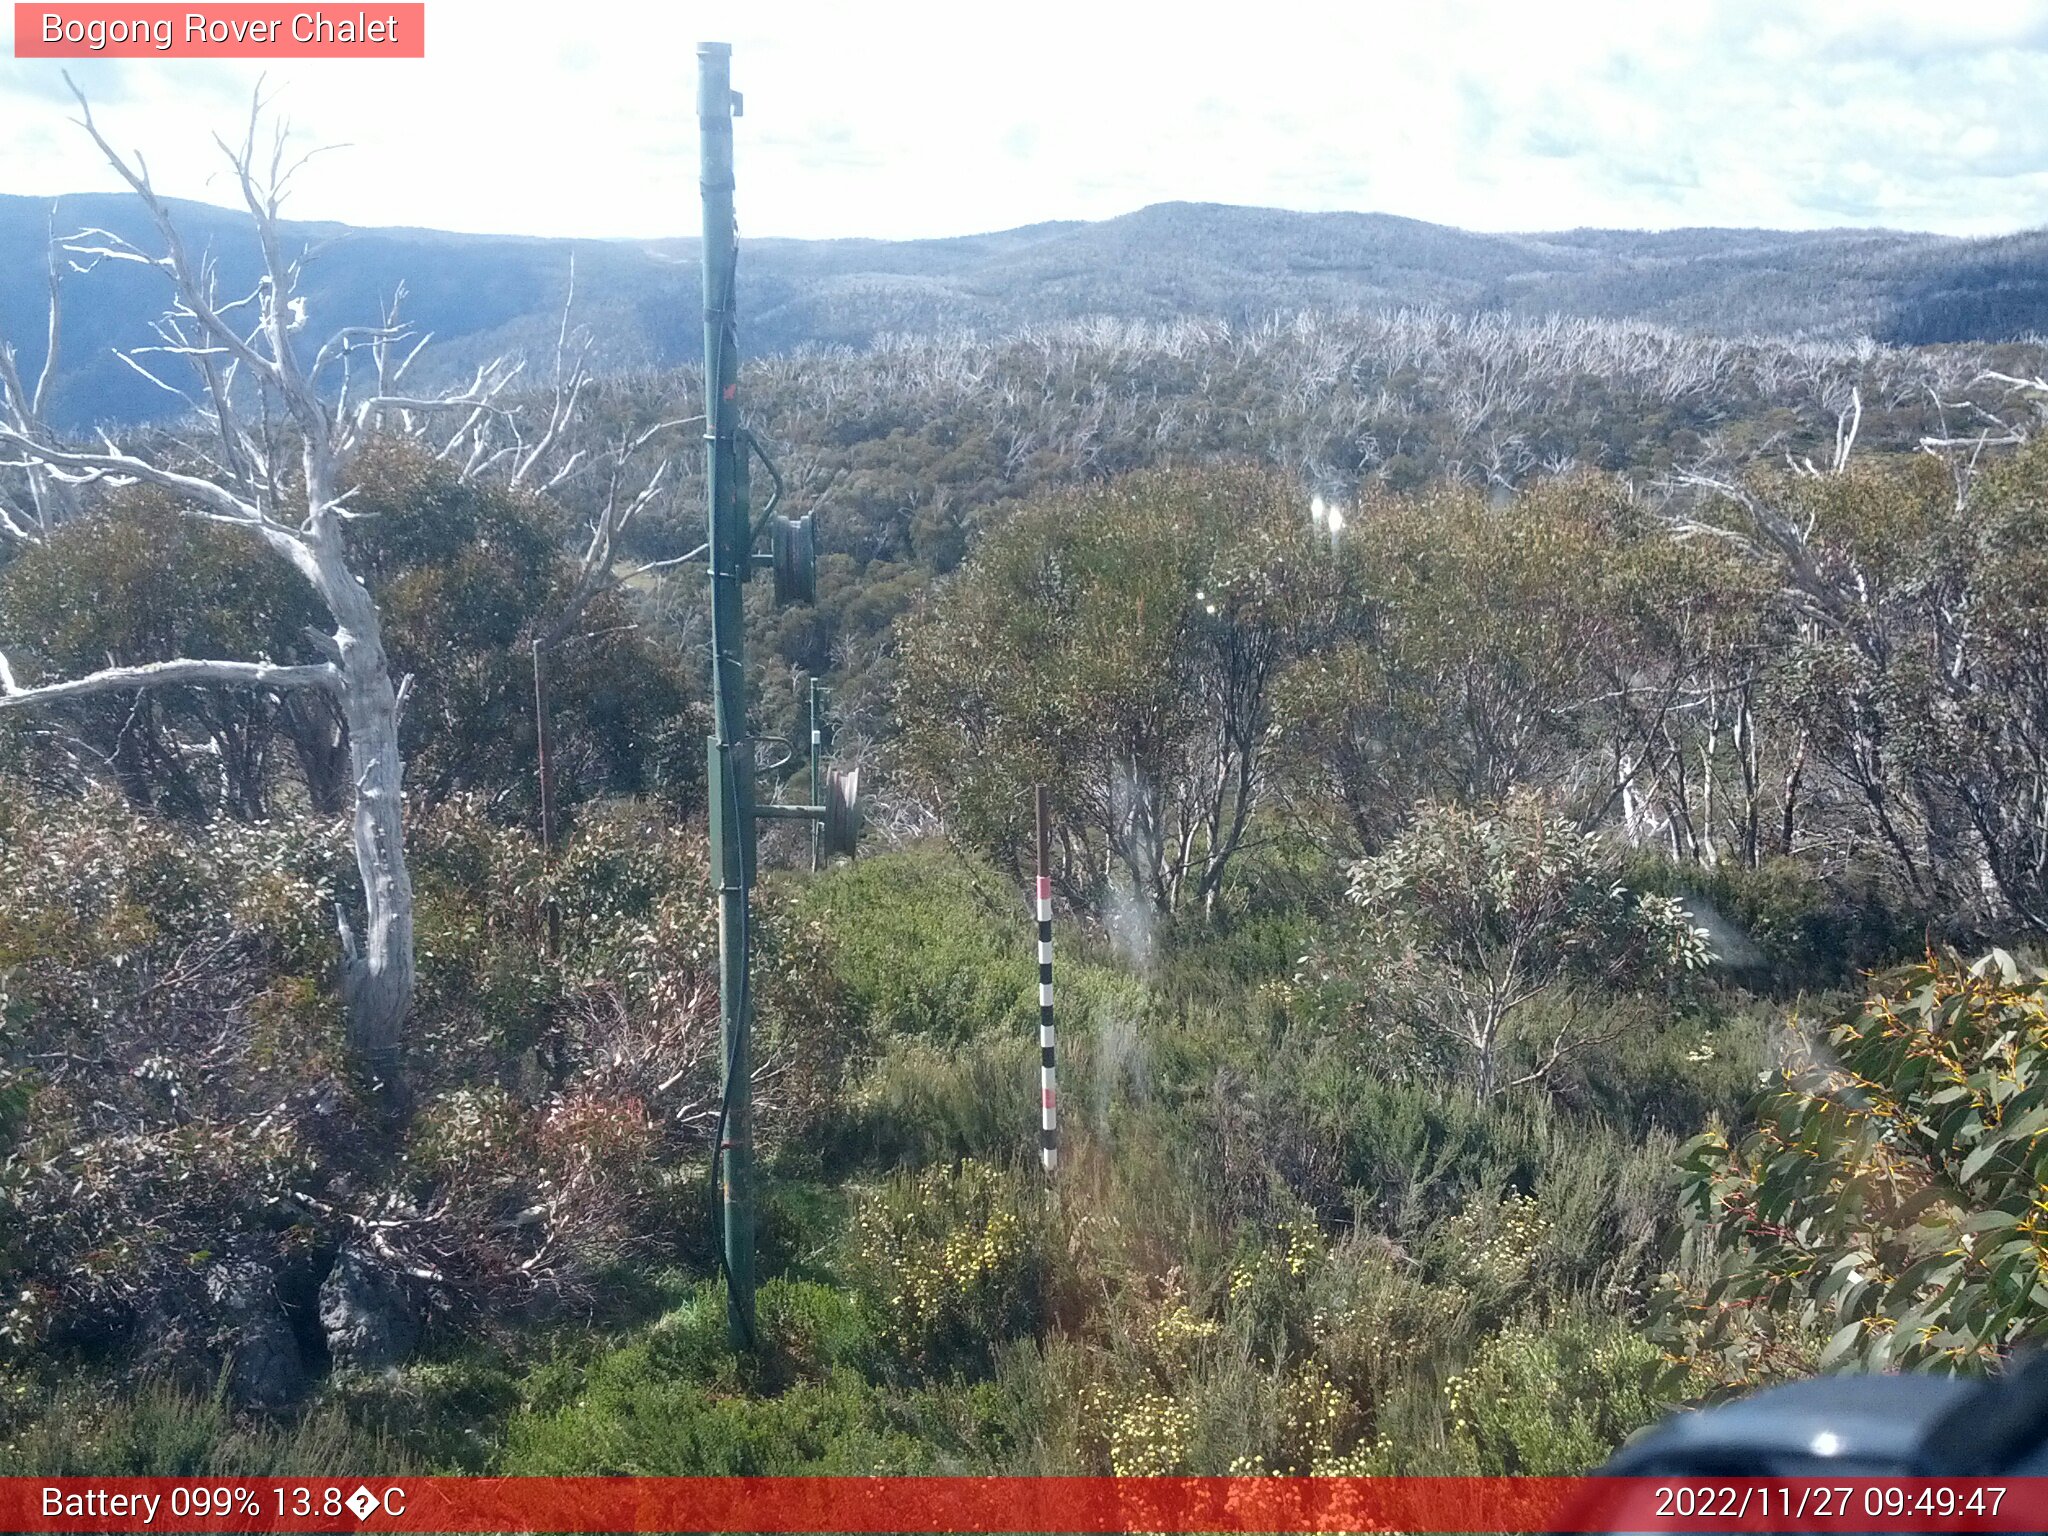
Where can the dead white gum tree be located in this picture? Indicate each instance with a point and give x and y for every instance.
(275, 437)
(45, 501)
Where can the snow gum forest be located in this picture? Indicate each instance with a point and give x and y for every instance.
(1549, 848)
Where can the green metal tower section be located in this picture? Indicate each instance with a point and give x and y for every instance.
(730, 780)
(731, 556)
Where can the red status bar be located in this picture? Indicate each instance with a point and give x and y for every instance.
(991, 1504)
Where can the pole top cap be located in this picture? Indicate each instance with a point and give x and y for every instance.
(714, 49)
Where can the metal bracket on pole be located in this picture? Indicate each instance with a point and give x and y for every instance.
(754, 447)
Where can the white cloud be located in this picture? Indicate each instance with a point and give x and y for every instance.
(910, 117)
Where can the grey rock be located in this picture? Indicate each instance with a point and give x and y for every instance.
(264, 1368)
(366, 1312)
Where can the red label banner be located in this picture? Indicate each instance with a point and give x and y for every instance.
(230, 31)
(992, 1504)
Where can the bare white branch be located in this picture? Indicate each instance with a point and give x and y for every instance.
(157, 674)
(93, 466)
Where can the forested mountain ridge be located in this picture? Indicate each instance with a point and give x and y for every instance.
(485, 294)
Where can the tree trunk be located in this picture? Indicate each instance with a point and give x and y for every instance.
(1489, 1045)
(377, 966)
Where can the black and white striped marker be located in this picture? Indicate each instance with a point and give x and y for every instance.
(1048, 1077)
(1048, 1087)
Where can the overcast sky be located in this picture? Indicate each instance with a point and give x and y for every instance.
(899, 118)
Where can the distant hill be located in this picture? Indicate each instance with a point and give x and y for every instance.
(482, 294)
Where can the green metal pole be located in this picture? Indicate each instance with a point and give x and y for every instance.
(731, 765)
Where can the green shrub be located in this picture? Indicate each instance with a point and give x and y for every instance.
(1272, 1295)
(1607, 1200)
(807, 1332)
(1784, 925)
(141, 1112)
(800, 1215)
(952, 1263)
(921, 1103)
(447, 1414)
(927, 942)
(1680, 1068)
(1551, 1397)
(1489, 1249)
(690, 1342)
(1219, 959)
(1483, 933)
(1413, 1157)
(1385, 1332)
(632, 1419)
(815, 1330)
(155, 1429)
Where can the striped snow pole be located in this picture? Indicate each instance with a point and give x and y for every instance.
(1048, 1071)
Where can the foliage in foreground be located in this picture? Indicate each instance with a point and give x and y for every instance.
(1889, 1195)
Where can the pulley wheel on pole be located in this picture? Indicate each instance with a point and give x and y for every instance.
(840, 833)
(796, 560)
